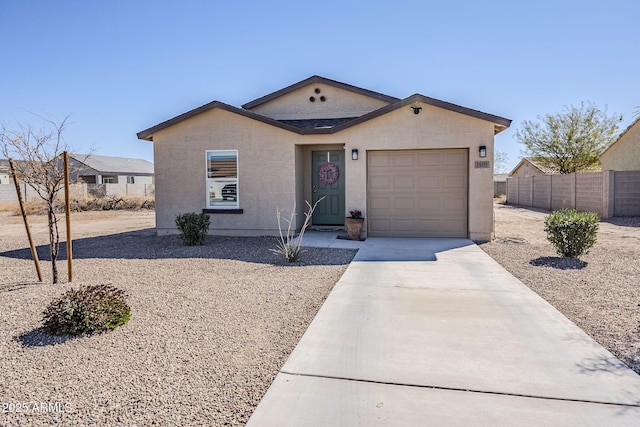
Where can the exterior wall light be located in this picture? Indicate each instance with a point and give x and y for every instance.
(483, 151)
(416, 110)
(354, 154)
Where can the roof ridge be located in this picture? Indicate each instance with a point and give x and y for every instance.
(319, 79)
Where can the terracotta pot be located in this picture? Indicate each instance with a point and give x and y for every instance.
(354, 227)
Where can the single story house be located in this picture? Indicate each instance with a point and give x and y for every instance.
(624, 153)
(529, 166)
(94, 169)
(416, 166)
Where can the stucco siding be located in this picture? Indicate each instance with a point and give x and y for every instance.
(433, 128)
(338, 103)
(274, 169)
(266, 170)
(624, 154)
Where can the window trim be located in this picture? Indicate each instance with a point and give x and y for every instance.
(215, 208)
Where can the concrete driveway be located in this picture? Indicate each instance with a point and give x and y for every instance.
(435, 332)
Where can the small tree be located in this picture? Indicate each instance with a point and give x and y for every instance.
(570, 141)
(500, 160)
(40, 167)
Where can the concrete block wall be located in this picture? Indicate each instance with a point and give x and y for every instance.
(626, 193)
(525, 191)
(78, 191)
(589, 192)
(562, 192)
(607, 193)
(8, 193)
(541, 192)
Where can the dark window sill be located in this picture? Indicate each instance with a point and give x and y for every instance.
(223, 211)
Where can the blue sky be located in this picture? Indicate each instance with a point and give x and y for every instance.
(119, 67)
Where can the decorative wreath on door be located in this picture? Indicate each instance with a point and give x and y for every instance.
(328, 173)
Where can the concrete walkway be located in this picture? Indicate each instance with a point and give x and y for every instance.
(435, 332)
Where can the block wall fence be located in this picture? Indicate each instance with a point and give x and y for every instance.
(607, 193)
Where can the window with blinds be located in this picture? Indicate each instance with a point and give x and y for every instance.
(222, 179)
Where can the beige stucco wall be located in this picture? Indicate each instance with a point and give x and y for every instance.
(339, 103)
(624, 155)
(266, 158)
(433, 128)
(525, 170)
(274, 164)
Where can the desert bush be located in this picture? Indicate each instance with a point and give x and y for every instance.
(286, 247)
(88, 310)
(193, 227)
(572, 233)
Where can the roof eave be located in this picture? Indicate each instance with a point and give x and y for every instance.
(148, 133)
(500, 123)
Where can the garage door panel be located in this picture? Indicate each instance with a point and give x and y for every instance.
(454, 205)
(459, 157)
(400, 203)
(430, 205)
(382, 226)
(429, 182)
(378, 161)
(452, 226)
(380, 182)
(417, 193)
(455, 182)
(428, 159)
(380, 203)
(431, 226)
(404, 182)
(402, 160)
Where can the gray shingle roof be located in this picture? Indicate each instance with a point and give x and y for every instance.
(316, 123)
(123, 165)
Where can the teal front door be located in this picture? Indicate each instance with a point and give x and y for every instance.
(328, 182)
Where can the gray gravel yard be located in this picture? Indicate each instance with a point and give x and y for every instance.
(210, 325)
(600, 293)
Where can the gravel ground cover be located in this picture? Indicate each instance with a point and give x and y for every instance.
(599, 292)
(210, 325)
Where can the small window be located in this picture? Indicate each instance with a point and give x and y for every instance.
(108, 180)
(131, 180)
(222, 179)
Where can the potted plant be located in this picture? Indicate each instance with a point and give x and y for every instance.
(353, 224)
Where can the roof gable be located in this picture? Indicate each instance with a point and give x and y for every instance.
(306, 124)
(635, 123)
(318, 80)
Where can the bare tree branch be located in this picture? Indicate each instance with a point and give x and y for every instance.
(39, 165)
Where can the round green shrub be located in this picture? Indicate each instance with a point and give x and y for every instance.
(572, 233)
(193, 227)
(87, 310)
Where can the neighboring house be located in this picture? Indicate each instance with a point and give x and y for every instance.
(94, 169)
(528, 166)
(5, 172)
(624, 153)
(413, 166)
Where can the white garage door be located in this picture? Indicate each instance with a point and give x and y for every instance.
(417, 193)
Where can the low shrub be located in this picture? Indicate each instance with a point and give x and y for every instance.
(572, 233)
(193, 227)
(88, 310)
